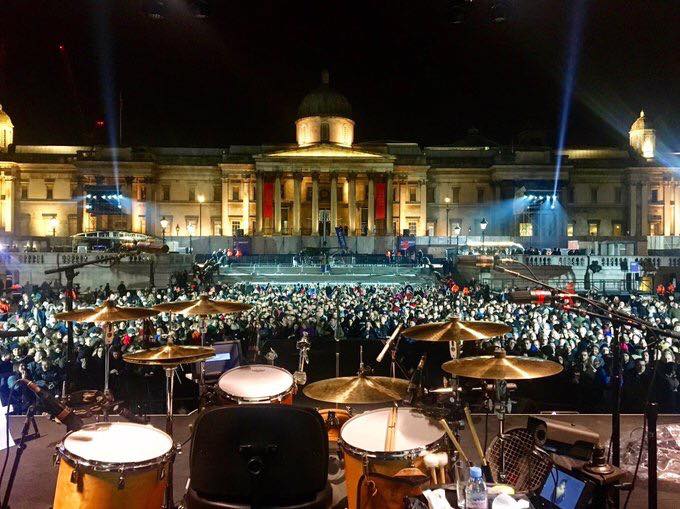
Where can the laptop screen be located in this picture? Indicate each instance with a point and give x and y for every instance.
(227, 356)
(562, 490)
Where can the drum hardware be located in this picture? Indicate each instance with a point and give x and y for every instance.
(303, 346)
(271, 356)
(21, 447)
(170, 357)
(415, 384)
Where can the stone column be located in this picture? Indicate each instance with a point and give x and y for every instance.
(277, 204)
(403, 196)
(315, 204)
(423, 208)
(297, 203)
(85, 225)
(334, 201)
(245, 205)
(80, 205)
(258, 205)
(151, 208)
(676, 199)
(370, 198)
(644, 210)
(389, 199)
(352, 203)
(226, 222)
(667, 208)
(632, 209)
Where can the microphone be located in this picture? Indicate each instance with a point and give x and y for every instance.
(537, 297)
(394, 335)
(417, 374)
(478, 261)
(54, 407)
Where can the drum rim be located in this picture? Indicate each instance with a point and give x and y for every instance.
(387, 455)
(104, 466)
(263, 399)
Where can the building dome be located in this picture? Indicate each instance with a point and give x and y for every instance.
(642, 137)
(5, 121)
(642, 122)
(6, 131)
(325, 102)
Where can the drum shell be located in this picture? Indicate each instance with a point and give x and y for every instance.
(143, 487)
(342, 415)
(358, 461)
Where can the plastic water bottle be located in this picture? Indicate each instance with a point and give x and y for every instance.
(475, 491)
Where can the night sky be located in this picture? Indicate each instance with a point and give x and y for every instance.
(410, 74)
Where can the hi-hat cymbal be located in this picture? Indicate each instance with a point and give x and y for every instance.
(203, 306)
(456, 330)
(106, 313)
(170, 355)
(358, 390)
(501, 367)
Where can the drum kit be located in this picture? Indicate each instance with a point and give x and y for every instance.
(107, 465)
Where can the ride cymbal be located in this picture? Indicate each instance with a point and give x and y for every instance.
(170, 355)
(203, 306)
(456, 330)
(106, 313)
(501, 367)
(358, 390)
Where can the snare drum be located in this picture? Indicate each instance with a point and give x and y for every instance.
(363, 437)
(116, 465)
(257, 383)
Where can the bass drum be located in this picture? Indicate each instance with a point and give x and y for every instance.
(257, 383)
(363, 437)
(113, 465)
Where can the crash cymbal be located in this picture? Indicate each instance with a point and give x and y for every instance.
(358, 390)
(106, 313)
(204, 306)
(456, 330)
(170, 355)
(501, 367)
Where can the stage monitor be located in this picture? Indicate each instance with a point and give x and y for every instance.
(227, 356)
(563, 490)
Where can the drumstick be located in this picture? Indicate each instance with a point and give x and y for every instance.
(453, 439)
(391, 429)
(475, 438)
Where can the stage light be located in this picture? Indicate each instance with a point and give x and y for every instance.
(62, 47)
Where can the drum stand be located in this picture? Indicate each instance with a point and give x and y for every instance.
(169, 389)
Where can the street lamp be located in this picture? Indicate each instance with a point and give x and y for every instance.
(164, 226)
(456, 232)
(483, 224)
(53, 224)
(448, 208)
(177, 231)
(201, 199)
(191, 229)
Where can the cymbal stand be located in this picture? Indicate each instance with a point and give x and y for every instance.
(108, 340)
(500, 403)
(169, 420)
(201, 369)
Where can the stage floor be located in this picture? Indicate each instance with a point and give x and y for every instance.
(35, 482)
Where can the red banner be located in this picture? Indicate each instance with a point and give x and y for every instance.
(380, 200)
(268, 200)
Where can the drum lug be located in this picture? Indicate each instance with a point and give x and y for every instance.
(56, 459)
(76, 477)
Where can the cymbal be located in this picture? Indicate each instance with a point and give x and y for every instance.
(203, 306)
(358, 390)
(106, 313)
(456, 330)
(502, 367)
(170, 355)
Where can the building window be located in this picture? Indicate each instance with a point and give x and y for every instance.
(618, 195)
(216, 225)
(308, 193)
(593, 227)
(235, 226)
(455, 195)
(412, 227)
(217, 194)
(480, 195)
(570, 229)
(593, 195)
(325, 131)
(236, 193)
(526, 229)
(395, 195)
(571, 194)
(430, 194)
(617, 228)
(192, 193)
(141, 221)
(24, 190)
(50, 192)
(655, 228)
(165, 193)
(412, 193)
(655, 195)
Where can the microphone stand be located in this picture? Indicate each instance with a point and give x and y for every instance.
(618, 319)
(21, 446)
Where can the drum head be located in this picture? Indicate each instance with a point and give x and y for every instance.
(368, 431)
(254, 382)
(117, 442)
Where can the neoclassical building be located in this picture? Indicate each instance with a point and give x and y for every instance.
(372, 189)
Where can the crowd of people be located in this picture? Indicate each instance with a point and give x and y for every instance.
(363, 312)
